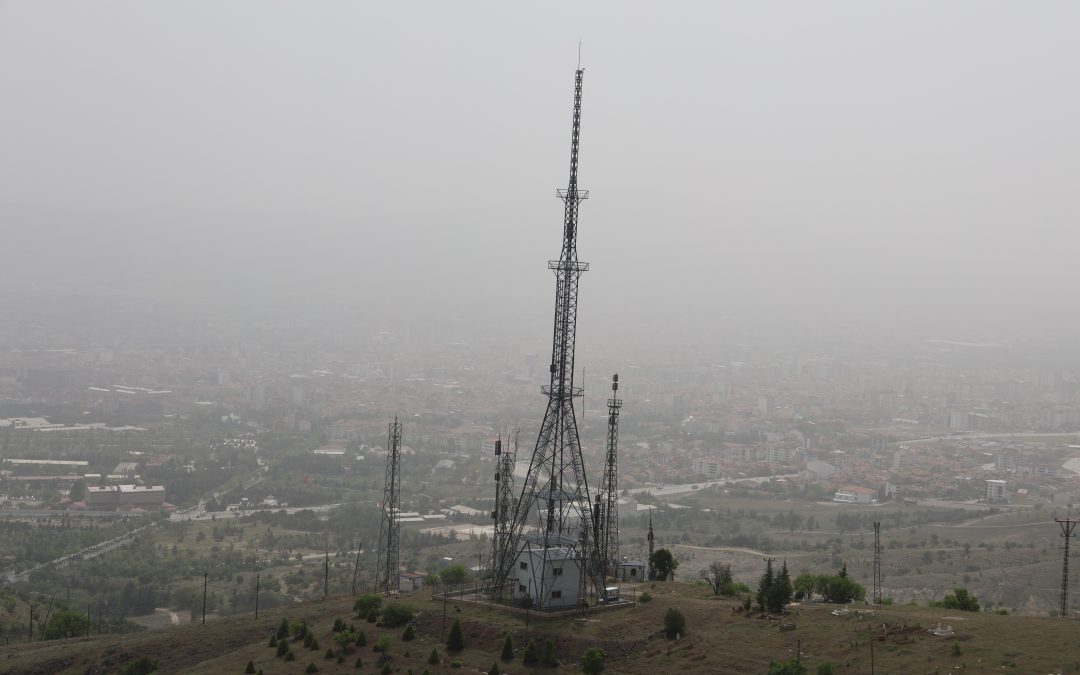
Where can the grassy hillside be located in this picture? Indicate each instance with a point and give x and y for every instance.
(717, 641)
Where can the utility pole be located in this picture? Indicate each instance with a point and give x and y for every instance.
(1067, 526)
(256, 596)
(326, 573)
(356, 567)
(205, 576)
(46, 623)
(877, 563)
(30, 633)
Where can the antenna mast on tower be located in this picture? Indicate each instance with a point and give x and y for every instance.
(608, 524)
(555, 498)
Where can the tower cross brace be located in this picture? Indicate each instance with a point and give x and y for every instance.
(386, 572)
(1067, 526)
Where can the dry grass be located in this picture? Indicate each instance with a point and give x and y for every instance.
(717, 641)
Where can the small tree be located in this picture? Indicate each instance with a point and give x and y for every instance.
(718, 577)
(960, 599)
(273, 641)
(528, 656)
(409, 634)
(250, 668)
(826, 668)
(494, 669)
(455, 641)
(144, 665)
(592, 661)
(779, 593)
(549, 659)
(454, 575)
(361, 639)
(311, 668)
(283, 628)
(664, 563)
(283, 647)
(674, 623)
(507, 649)
(66, 624)
(329, 654)
(433, 658)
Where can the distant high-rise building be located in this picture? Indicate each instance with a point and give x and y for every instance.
(995, 492)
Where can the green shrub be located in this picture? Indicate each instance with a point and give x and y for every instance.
(282, 647)
(409, 634)
(507, 649)
(283, 628)
(592, 661)
(455, 641)
(250, 668)
(397, 614)
(311, 668)
(674, 623)
(386, 668)
(329, 654)
(382, 645)
(314, 644)
(646, 597)
(289, 656)
(366, 603)
(826, 668)
(359, 663)
(273, 641)
(372, 616)
(789, 667)
(144, 665)
(433, 659)
(361, 639)
(494, 669)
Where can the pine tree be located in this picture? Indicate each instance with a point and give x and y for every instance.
(549, 654)
(494, 669)
(764, 585)
(361, 639)
(528, 656)
(508, 649)
(455, 642)
(282, 647)
(250, 667)
(843, 571)
(409, 633)
(779, 594)
(273, 641)
(283, 628)
(434, 658)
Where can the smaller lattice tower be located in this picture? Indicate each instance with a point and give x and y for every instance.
(877, 564)
(386, 571)
(503, 515)
(607, 524)
(1067, 526)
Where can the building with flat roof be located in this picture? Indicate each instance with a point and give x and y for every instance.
(995, 492)
(119, 496)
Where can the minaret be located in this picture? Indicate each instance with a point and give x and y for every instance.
(652, 568)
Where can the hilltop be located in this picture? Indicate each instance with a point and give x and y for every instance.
(718, 640)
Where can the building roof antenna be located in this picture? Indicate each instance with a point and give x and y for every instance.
(579, 55)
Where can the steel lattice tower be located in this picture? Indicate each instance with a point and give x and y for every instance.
(386, 571)
(877, 563)
(504, 501)
(608, 522)
(555, 494)
(1067, 525)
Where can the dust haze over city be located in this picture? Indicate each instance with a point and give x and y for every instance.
(831, 252)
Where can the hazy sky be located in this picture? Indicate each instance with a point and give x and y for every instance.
(827, 166)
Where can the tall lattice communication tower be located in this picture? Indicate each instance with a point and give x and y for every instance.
(608, 522)
(386, 571)
(504, 500)
(552, 545)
